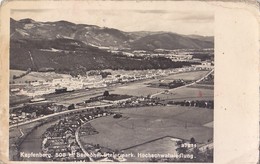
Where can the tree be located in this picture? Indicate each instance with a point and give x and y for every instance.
(117, 115)
(70, 107)
(192, 140)
(106, 93)
(192, 103)
(105, 74)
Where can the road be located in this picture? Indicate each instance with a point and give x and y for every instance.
(85, 151)
(190, 84)
(80, 145)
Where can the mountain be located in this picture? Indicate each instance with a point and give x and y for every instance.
(105, 37)
(203, 38)
(76, 48)
(170, 41)
(94, 35)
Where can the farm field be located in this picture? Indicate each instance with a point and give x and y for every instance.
(18, 99)
(163, 145)
(33, 76)
(16, 73)
(136, 89)
(140, 125)
(187, 75)
(203, 86)
(143, 89)
(188, 93)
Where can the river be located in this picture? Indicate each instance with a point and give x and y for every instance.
(32, 143)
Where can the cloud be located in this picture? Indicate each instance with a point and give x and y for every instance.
(29, 10)
(191, 17)
(151, 11)
(201, 18)
(179, 21)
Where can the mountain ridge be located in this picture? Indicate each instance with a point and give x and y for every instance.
(104, 36)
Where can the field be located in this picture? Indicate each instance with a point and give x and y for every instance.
(188, 93)
(203, 86)
(143, 89)
(138, 126)
(136, 89)
(163, 146)
(74, 97)
(34, 76)
(18, 99)
(187, 75)
(16, 73)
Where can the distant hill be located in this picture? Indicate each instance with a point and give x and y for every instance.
(203, 38)
(170, 41)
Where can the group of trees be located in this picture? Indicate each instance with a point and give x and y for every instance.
(71, 106)
(104, 74)
(117, 115)
(22, 75)
(98, 98)
(176, 83)
(38, 109)
(198, 103)
(202, 56)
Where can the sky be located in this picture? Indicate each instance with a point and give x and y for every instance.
(187, 22)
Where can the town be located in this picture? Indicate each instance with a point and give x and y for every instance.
(76, 103)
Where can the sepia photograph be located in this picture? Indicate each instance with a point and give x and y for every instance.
(104, 85)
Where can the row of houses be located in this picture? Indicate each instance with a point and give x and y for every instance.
(60, 140)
